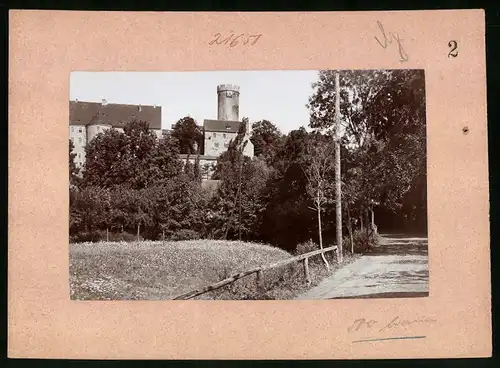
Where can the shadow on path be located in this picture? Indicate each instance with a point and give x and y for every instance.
(398, 245)
(397, 268)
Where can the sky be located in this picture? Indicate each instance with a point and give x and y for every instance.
(278, 96)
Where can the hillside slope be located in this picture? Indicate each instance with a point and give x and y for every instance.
(162, 270)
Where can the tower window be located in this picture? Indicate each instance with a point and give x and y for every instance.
(224, 135)
(215, 134)
(79, 139)
(72, 129)
(80, 130)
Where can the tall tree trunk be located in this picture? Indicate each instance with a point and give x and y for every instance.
(239, 190)
(374, 227)
(367, 221)
(361, 224)
(107, 234)
(138, 231)
(321, 238)
(349, 228)
(338, 193)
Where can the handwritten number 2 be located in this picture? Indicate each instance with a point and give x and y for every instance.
(453, 52)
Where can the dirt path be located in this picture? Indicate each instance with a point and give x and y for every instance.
(396, 268)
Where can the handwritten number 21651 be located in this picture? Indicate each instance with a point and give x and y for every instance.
(453, 52)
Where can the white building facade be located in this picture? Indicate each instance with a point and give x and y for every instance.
(88, 119)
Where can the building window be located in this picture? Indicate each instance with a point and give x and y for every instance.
(216, 144)
(215, 134)
(72, 129)
(80, 140)
(79, 155)
(224, 135)
(80, 130)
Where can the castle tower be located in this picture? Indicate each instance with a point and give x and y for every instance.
(228, 102)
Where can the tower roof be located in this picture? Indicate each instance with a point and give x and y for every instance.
(228, 87)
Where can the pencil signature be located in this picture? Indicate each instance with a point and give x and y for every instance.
(387, 39)
(371, 324)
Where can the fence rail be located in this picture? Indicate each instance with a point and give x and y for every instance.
(259, 271)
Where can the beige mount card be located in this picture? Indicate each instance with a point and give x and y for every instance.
(452, 321)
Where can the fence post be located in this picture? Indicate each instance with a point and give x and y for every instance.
(306, 270)
(260, 281)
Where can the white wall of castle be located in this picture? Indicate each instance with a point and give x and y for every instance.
(78, 135)
(217, 143)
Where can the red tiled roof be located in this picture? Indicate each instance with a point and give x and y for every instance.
(116, 115)
(221, 126)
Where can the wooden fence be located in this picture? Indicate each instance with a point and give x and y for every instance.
(259, 271)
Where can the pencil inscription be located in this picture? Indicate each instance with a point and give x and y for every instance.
(363, 323)
(233, 39)
(388, 38)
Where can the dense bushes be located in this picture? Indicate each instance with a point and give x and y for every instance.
(185, 234)
(102, 235)
(306, 247)
(363, 241)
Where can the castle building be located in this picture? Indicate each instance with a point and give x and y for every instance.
(87, 119)
(218, 133)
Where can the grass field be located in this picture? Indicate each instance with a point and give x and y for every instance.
(161, 270)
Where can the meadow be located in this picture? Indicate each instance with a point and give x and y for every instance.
(156, 270)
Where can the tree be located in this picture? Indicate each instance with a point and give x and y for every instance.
(87, 209)
(358, 90)
(239, 202)
(135, 158)
(318, 165)
(266, 138)
(383, 114)
(166, 163)
(286, 219)
(189, 135)
(140, 154)
(229, 170)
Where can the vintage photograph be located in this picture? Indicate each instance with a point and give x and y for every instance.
(248, 185)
